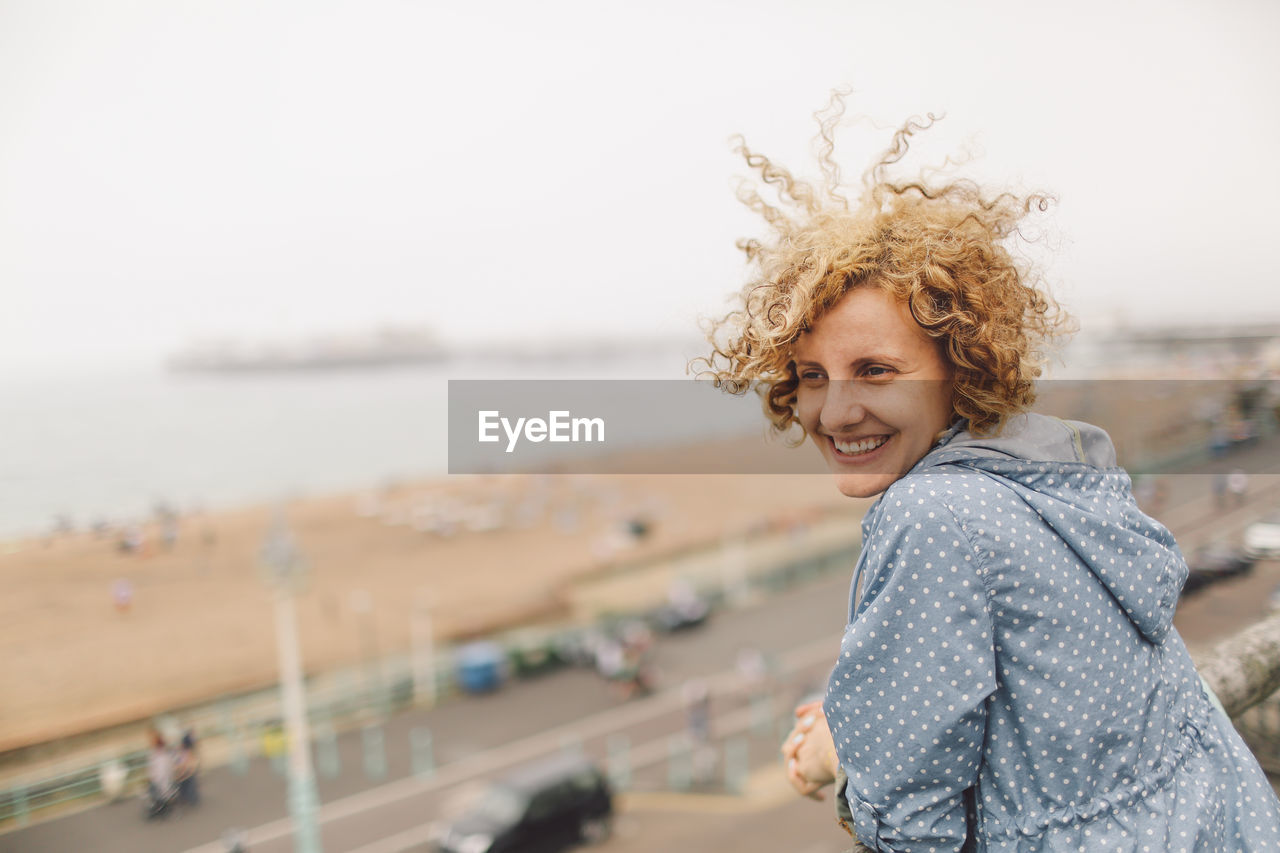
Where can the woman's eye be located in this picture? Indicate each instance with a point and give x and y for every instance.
(811, 376)
(877, 371)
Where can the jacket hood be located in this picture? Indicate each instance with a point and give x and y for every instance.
(1066, 472)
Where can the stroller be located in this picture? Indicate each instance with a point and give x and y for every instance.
(157, 803)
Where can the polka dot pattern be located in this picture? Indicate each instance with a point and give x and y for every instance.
(1013, 644)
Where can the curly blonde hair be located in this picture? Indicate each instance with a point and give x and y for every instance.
(940, 249)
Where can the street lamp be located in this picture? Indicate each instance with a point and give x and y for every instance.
(285, 571)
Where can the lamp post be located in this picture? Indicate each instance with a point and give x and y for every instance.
(285, 570)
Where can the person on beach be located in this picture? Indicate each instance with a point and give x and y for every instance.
(122, 594)
(1009, 677)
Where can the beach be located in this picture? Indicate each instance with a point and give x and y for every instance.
(482, 553)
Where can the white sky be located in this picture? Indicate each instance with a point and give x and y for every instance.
(171, 171)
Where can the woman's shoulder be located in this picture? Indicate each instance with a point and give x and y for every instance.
(922, 527)
(941, 499)
(951, 488)
(937, 501)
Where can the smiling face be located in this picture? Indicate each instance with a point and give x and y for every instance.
(874, 390)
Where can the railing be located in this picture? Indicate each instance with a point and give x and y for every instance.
(17, 804)
(1245, 673)
(1245, 670)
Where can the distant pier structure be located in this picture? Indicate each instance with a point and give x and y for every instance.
(381, 348)
(1214, 342)
(1184, 351)
(401, 346)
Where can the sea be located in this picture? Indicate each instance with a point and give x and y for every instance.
(110, 447)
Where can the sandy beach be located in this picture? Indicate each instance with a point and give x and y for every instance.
(487, 552)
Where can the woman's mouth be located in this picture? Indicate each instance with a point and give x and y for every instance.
(858, 447)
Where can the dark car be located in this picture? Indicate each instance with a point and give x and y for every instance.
(1214, 563)
(540, 808)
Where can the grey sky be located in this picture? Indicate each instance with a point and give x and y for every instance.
(180, 170)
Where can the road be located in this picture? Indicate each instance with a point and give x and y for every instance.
(475, 737)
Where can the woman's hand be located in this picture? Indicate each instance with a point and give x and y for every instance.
(809, 752)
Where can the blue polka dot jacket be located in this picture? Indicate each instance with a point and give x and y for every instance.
(1010, 678)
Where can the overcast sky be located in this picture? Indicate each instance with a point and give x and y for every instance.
(172, 171)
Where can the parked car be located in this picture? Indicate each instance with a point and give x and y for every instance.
(543, 807)
(535, 651)
(480, 667)
(1262, 538)
(1221, 559)
(1215, 562)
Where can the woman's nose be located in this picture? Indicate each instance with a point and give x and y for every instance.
(843, 406)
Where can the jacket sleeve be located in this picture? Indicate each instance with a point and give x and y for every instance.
(906, 700)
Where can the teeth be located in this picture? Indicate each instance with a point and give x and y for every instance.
(866, 445)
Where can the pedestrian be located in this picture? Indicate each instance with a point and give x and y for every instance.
(610, 657)
(208, 544)
(169, 532)
(1237, 485)
(696, 696)
(122, 594)
(1009, 677)
(187, 769)
(1219, 438)
(131, 539)
(753, 669)
(697, 708)
(1220, 490)
(161, 788)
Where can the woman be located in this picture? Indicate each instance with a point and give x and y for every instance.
(1010, 678)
